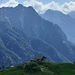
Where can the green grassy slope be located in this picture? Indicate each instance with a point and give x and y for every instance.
(40, 68)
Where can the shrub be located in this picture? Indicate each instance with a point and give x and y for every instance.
(32, 67)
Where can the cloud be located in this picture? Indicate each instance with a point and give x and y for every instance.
(68, 7)
(38, 6)
(10, 3)
(41, 8)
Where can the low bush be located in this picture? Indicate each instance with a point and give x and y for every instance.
(32, 67)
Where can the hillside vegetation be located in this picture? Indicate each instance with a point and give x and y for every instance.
(40, 68)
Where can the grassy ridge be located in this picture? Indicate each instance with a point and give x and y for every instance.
(40, 68)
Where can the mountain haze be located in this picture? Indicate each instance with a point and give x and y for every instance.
(65, 22)
(72, 14)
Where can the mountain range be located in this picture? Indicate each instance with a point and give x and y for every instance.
(24, 34)
(72, 14)
(65, 22)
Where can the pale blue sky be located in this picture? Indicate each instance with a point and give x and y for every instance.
(59, 1)
(44, 1)
(3, 1)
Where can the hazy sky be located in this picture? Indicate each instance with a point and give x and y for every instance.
(41, 6)
(60, 1)
(44, 1)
